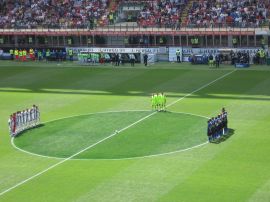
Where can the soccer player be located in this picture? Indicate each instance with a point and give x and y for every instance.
(16, 53)
(28, 118)
(31, 54)
(11, 52)
(24, 55)
(211, 60)
(10, 124)
(213, 126)
(38, 114)
(19, 125)
(209, 130)
(31, 116)
(48, 54)
(34, 108)
(164, 102)
(23, 119)
(14, 124)
(225, 114)
(36, 53)
(39, 55)
(21, 55)
(156, 101)
(160, 102)
(70, 54)
(153, 101)
(219, 126)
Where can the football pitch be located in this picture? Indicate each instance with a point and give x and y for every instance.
(100, 140)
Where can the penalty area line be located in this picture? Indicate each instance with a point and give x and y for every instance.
(110, 136)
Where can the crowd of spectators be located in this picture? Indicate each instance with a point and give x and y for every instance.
(240, 13)
(162, 13)
(52, 13)
(205, 13)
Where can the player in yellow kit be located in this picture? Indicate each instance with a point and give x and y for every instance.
(158, 101)
(21, 55)
(163, 105)
(24, 52)
(16, 53)
(153, 104)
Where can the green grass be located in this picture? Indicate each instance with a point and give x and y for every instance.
(158, 134)
(234, 170)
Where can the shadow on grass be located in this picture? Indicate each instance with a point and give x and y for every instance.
(224, 137)
(29, 129)
(136, 82)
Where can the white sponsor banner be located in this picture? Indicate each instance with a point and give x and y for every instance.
(152, 58)
(186, 52)
(114, 50)
(261, 32)
(200, 51)
(214, 51)
(247, 50)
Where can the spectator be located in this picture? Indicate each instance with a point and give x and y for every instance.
(241, 13)
(51, 13)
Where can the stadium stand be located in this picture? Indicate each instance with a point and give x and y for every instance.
(241, 13)
(133, 23)
(200, 13)
(162, 13)
(54, 14)
(154, 13)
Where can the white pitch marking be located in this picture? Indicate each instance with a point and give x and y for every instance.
(64, 160)
(147, 156)
(201, 88)
(156, 155)
(76, 154)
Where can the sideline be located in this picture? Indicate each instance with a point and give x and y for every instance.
(64, 160)
(127, 158)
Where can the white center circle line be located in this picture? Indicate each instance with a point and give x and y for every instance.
(125, 158)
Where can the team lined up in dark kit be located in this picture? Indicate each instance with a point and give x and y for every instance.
(217, 126)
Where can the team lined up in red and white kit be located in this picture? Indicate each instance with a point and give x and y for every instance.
(23, 120)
